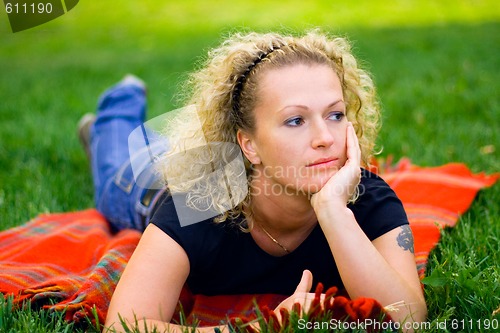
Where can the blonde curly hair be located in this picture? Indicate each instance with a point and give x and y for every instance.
(224, 93)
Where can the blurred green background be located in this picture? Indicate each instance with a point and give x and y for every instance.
(435, 64)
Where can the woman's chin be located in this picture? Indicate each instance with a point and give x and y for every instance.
(315, 184)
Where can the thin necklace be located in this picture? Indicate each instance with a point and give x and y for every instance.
(274, 239)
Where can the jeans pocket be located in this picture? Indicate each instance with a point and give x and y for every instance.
(124, 178)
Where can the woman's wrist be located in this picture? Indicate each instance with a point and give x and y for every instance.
(332, 212)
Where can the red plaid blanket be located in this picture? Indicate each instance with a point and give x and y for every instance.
(72, 261)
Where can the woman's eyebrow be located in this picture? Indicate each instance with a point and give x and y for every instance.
(340, 101)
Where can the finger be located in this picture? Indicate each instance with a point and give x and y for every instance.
(307, 298)
(305, 283)
(357, 148)
(304, 300)
(353, 151)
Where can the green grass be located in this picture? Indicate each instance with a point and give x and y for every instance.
(435, 64)
(32, 320)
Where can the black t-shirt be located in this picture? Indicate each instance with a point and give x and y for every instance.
(225, 260)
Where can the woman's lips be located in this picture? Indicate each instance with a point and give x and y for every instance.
(324, 163)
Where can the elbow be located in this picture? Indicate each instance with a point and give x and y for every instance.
(420, 310)
(418, 314)
(113, 325)
(410, 317)
(421, 315)
(117, 324)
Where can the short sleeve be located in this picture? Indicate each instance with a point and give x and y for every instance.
(378, 210)
(195, 239)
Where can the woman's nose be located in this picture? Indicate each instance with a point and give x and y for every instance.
(322, 136)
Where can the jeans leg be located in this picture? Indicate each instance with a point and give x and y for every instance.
(120, 110)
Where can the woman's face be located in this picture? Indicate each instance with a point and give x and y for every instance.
(299, 140)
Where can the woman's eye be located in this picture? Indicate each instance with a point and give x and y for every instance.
(336, 116)
(294, 122)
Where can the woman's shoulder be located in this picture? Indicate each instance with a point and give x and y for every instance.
(374, 189)
(371, 179)
(166, 218)
(199, 237)
(378, 208)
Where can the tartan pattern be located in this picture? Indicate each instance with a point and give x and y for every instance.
(434, 198)
(72, 261)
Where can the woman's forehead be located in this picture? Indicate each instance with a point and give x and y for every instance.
(308, 87)
(299, 77)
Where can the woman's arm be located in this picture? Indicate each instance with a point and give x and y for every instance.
(150, 286)
(382, 269)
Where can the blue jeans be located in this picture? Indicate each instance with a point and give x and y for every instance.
(121, 109)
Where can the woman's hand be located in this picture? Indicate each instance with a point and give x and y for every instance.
(302, 296)
(342, 185)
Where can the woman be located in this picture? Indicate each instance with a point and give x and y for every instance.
(305, 118)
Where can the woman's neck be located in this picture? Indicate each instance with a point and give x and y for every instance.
(283, 212)
(287, 217)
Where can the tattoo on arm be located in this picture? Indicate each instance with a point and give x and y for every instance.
(405, 239)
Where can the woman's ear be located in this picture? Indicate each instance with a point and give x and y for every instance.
(247, 145)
